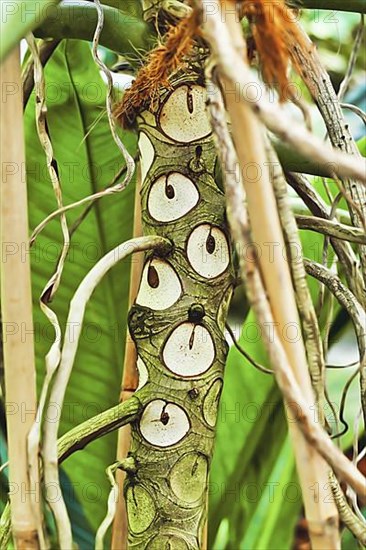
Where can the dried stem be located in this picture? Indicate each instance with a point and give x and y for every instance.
(349, 518)
(248, 138)
(243, 86)
(129, 385)
(355, 311)
(16, 309)
(309, 321)
(46, 50)
(320, 86)
(238, 219)
(352, 61)
(111, 506)
(344, 251)
(332, 228)
(53, 355)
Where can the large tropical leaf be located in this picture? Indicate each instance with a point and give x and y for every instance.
(88, 159)
(255, 497)
(251, 434)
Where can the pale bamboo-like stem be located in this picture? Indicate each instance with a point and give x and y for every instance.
(225, 37)
(309, 321)
(16, 307)
(292, 391)
(128, 386)
(320, 86)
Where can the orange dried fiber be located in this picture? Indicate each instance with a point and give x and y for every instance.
(161, 62)
(275, 33)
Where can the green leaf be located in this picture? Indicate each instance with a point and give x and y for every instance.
(18, 17)
(129, 6)
(362, 146)
(255, 497)
(273, 522)
(81, 531)
(88, 160)
(251, 476)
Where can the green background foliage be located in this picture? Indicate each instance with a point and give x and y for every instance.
(251, 505)
(88, 161)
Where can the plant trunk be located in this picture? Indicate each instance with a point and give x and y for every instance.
(177, 321)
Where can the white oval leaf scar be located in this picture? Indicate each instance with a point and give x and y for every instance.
(171, 197)
(143, 373)
(160, 286)
(183, 116)
(147, 154)
(208, 251)
(163, 424)
(189, 350)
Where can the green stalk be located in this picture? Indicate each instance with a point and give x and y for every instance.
(98, 426)
(122, 32)
(18, 18)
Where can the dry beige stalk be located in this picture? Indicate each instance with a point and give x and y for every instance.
(225, 36)
(309, 321)
(321, 88)
(246, 89)
(16, 305)
(238, 219)
(332, 228)
(129, 385)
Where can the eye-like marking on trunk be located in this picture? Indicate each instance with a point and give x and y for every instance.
(171, 197)
(147, 154)
(177, 334)
(143, 373)
(141, 508)
(188, 477)
(208, 251)
(163, 424)
(189, 350)
(160, 286)
(183, 117)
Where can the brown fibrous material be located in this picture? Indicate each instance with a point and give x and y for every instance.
(275, 34)
(162, 61)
